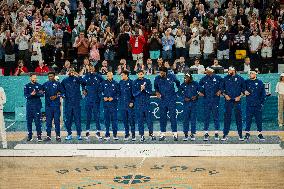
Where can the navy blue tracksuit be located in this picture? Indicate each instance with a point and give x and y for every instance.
(142, 104)
(72, 108)
(233, 86)
(165, 86)
(33, 106)
(254, 103)
(189, 107)
(210, 85)
(110, 89)
(125, 98)
(52, 107)
(92, 84)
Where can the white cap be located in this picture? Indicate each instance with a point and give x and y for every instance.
(232, 68)
(282, 75)
(210, 69)
(252, 72)
(188, 74)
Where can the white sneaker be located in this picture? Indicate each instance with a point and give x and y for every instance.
(280, 125)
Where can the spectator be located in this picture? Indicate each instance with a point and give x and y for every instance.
(82, 45)
(179, 66)
(94, 52)
(240, 44)
(21, 69)
(42, 68)
(255, 42)
(149, 70)
(59, 56)
(139, 66)
(154, 44)
(137, 42)
(167, 42)
(223, 45)
(194, 45)
(216, 64)
(9, 49)
(122, 67)
(200, 68)
(85, 68)
(208, 45)
(109, 44)
(22, 41)
(105, 68)
(66, 67)
(36, 52)
(122, 42)
(180, 42)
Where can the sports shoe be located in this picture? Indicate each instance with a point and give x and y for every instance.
(241, 138)
(142, 139)
(216, 137)
(47, 139)
(115, 137)
(79, 137)
(192, 137)
(58, 138)
(162, 138)
(185, 137)
(175, 137)
(30, 138)
(133, 138)
(87, 137)
(126, 137)
(69, 137)
(39, 139)
(107, 138)
(98, 135)
(224, 138)
(260, 137)
(152, 137)
(247, 136)
(206, 137)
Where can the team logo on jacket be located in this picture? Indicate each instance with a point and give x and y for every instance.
(236, 79)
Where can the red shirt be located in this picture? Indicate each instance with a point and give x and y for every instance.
(25, 70)
(138, 48)
(44, 69)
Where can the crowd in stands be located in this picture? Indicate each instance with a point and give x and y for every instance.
(115, 35)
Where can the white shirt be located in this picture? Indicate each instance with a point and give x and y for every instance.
(23, 42)
(180, 41)
(200, 68)
(209, 44)
(2, 98)
(247, 68)
(194, 47)
(280, 88)
(255, 42)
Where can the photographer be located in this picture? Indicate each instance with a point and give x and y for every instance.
(168, 42)
(21, 69)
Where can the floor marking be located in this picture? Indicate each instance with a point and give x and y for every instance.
(10, 125)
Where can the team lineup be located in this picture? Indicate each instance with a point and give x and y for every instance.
(132, 99)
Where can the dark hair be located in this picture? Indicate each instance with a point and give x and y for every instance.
(125, 72)
(140, 71)
(51, 73)
(281, 77)
(33, 73)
